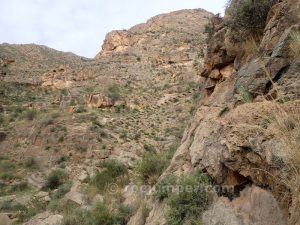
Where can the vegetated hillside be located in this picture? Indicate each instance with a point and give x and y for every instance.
(205, 105)
(66, 119)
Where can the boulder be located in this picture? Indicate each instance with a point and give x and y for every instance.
(252, 76)
(76, 198)
(98, 101)
(4, 219)
(255, 206)
(227, 71)
(44, 196)
(45, 218)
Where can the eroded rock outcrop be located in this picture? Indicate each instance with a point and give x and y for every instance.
(231, 140)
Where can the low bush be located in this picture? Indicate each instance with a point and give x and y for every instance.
(251, 47)
(113, 172)
(295, 45)
(150, 167)
(163, 188)
(2, 119)
(55, 179)
(30, 114)
(7, 169)
(36, 206)
(149, 148)
(101, 214)
(249, 16)
(31, 163)
(245, 96)
(81, 109)
(62, 190)
(187, 206)
(113, 92)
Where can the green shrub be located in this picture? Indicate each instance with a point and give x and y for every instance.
(55, 179)
(245, 96)
(250, 16)
(7, 170)
(81, 109)
(113, 172)
(149, 148)
(78, 217)
(37, 206)
(172, 149)
(31, 163)
(150, 167)
(2, 119)
(101, 214)
(209, 30)
(17, 112)
(113, 92)
(265, 122)
(30, 114)
(55, 115)
(175, 131)
(17, 188)
(10, 206)
(163, 188)
(62, 190)
(193, 110)
(61, 138)
(187, 206)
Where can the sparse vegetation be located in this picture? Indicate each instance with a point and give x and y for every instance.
(163, 189)
(209, 30)
(250, 16)
(113, 92)
(149, 148)
(150, 167)
(251, 47)
(31, 163)
(295, 45)
(30, 114)
(7, 169)
(245, 96)
(101, 214)
(113, 172)
(285, 125)
(187, 206)
(223, 111)
(55, 179)
(265, 123)
(81, 109)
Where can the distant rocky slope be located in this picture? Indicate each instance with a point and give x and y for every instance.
(25, 63)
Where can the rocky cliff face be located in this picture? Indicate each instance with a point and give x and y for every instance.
(238, 106)
(229, 139)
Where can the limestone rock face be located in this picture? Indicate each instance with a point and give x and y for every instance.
(255, 206)
(98, 101)
(228, 138)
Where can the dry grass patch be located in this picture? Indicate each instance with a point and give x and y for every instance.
(295, 45)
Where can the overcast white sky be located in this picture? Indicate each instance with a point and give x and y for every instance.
(80, 26)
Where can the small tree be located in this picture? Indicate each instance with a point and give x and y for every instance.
(249, 16)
